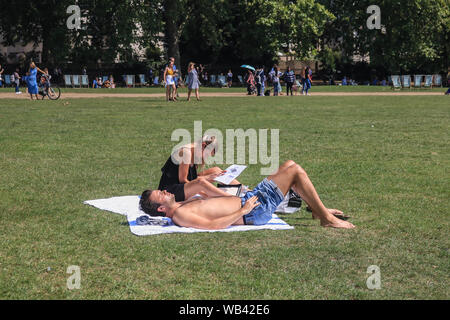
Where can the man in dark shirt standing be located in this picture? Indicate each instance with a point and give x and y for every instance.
(289, 78)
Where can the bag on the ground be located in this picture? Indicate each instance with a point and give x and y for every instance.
(291, 203)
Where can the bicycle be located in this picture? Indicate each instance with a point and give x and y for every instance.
(52, 91)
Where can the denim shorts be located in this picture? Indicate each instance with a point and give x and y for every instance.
(269, 197)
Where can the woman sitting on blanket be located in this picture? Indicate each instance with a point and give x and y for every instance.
(180, 176)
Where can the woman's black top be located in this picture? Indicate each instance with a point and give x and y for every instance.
(170, 182)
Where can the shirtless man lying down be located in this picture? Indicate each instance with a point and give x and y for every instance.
(254, 208)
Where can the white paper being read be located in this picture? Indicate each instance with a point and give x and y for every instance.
(232, 172)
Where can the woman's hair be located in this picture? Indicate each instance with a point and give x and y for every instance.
(191, 65)
(149, 207)
(32, 65)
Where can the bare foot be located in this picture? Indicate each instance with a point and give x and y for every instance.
(333, 222)
(334, 212)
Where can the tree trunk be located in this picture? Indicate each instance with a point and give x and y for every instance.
(172, 34)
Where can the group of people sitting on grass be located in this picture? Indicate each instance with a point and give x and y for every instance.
(187, 195)
(99, 83)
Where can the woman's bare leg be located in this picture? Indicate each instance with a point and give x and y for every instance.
(174, 92)
(189, 94)
(200, 185)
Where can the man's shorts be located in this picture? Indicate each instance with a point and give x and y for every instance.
(269, 197)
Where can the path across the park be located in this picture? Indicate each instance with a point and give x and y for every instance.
(75, 95)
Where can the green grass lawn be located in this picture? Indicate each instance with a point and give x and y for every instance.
(383, 160)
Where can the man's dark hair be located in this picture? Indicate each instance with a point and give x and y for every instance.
(148, 206)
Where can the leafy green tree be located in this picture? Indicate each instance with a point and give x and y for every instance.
(414, 35)
(254, 31)
(37, 22)
(109, 28)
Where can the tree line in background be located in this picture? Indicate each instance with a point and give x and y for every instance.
(414, 37)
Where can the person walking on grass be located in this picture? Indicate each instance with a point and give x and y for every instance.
(175, 76)
(307, 81)
(169, 80)
(229, 78)
(193, 82)
(276, 81)
(289, 78)
(17, 81)
(32, 80)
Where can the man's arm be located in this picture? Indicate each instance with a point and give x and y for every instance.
(187, 218)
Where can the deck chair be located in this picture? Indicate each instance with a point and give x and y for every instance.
(222, 81)
(68, 80)
(428, 81)
(396, 83)
(76, 80)
(130, 80)
(437, 80)
(84, 80)
(212, 80)
(104, 78)
(142, 81)
(156, 81)
(406, 81)
(241, 80)
(418, 81)
(7, 80)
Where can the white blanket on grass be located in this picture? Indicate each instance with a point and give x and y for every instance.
(129, 206)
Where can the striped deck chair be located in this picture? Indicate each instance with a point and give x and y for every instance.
(406, 81)
(396, 83)
(418, 81)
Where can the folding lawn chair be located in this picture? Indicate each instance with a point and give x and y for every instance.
(7, 80)
(222, 81)
(76, 80)
(418, 81)
(84, 80)
(68, 80)
(437, 80)
(130, 80)
(241, 80)
(406, 81)
(396, 84)
(142, 81)
(212, 80)
(428, 81)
